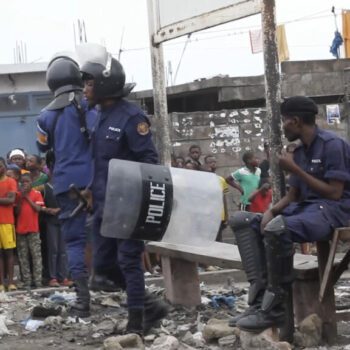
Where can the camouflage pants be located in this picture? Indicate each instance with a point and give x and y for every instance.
(29, 247)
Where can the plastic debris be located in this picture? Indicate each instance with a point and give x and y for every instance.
(62, 298)
(205, 300)
(3, 328)
(33, 325)
(216, 300)
(110, 302)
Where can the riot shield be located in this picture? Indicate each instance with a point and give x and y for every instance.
(159, 203)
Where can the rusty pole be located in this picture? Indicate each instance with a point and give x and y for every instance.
(159, 88)
(272, 94)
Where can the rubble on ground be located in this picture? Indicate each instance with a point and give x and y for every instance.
(38, 319)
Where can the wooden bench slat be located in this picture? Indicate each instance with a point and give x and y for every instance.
(218, 254)
(224, 255)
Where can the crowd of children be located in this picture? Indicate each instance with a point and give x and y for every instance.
(29, 226)
(252, 180)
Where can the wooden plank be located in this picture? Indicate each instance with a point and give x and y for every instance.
(328, 304)
(181, 288)
(326, 278)
(217, 253)
(226, 255)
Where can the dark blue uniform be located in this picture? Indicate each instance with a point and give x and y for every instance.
(122, 132)
(73, 165)
(314, 218)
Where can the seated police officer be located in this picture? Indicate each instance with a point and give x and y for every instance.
(317, 202)
(62, 127)
(122, 132)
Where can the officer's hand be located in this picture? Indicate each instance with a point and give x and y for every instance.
(88, 197)
(267, 217)
(286, 162)
(51, 211)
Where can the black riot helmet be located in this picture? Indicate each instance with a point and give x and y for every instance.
(109, 79)
(63, 75)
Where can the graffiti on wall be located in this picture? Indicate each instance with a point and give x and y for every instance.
(229, 131)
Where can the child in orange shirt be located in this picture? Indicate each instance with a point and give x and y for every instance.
(27, 229)
(261, 199)
(8, 189)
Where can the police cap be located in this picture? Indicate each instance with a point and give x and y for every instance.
(299, 106)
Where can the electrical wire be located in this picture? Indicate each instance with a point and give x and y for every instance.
(237, 31)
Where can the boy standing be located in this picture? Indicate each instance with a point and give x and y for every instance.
(56, 249)
(246, 179)
(27, 228)
(8, 189)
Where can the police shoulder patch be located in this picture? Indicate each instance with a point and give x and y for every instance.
(143, 128)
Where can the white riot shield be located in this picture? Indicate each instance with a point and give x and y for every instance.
(159, 203)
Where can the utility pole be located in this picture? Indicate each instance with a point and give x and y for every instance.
(272, 94)
(273, 98)
(159, 89)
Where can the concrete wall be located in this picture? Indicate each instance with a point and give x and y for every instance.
(23, 83)
(314, 78)
(227, 134)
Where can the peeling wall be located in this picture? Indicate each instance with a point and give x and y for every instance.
(227, 134)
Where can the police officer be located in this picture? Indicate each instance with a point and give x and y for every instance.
(317, 202)
(63, 128)
(122, 132)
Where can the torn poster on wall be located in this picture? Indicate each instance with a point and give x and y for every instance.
(333, 114)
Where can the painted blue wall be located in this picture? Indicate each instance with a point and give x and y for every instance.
(18, 121)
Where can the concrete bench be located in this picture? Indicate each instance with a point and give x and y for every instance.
(181, 280)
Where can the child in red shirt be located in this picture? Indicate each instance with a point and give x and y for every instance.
(8, 188)
(27, 229)
(260, 200)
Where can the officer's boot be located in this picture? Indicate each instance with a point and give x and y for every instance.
(155, 309)
(107, 280)
(81, 307)
(279, 256)
(135, 321)
(251, 248)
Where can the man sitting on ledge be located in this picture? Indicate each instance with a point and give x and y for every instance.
(317, 202)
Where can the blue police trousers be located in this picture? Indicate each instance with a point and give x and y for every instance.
(124, 255)
(73, 230)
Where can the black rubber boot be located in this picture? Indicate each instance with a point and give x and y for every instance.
(135, 322)
(279, 256)
(155, 310)
(81, 308)
(252, 309)
(252, 251)
(261, 320)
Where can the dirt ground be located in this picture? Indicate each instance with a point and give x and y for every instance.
(109, 318)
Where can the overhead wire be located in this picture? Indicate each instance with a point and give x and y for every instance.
(236, 31)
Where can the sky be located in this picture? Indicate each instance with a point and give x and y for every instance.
(46, 26)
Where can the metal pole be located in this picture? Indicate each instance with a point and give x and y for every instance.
(272, 94)
(159, 86)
